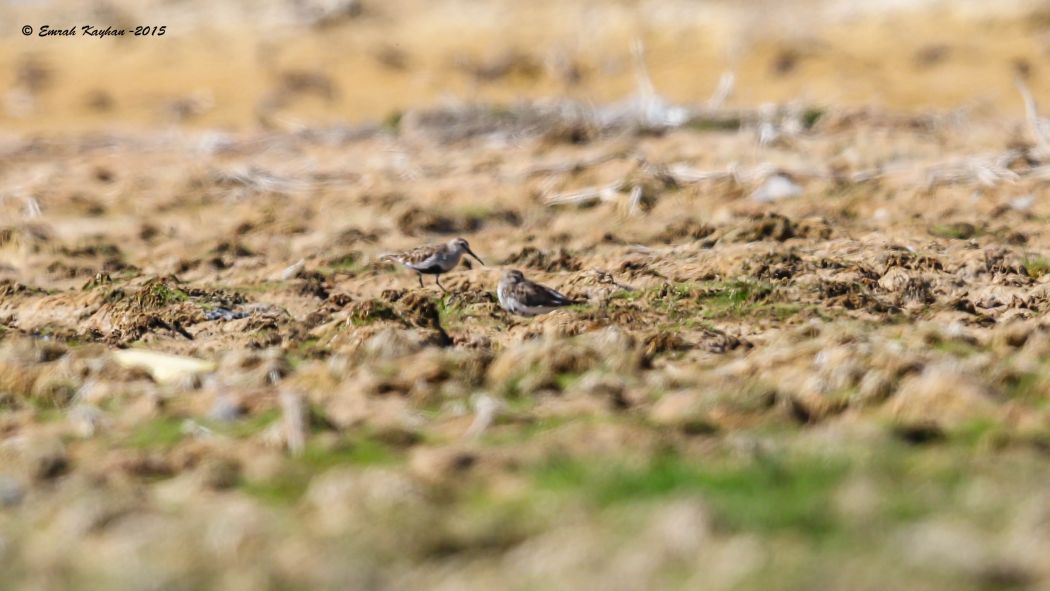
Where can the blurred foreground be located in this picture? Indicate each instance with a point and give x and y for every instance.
(813, 353)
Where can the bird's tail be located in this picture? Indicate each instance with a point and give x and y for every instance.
(564, 300)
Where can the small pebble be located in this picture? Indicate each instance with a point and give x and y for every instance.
(11, 491)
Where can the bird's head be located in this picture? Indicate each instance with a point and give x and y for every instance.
(513, 275)
(461, 246)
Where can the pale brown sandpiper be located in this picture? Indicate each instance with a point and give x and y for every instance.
(518, 295)
(433, 259)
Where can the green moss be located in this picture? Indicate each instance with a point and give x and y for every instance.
(520, 432)
(1036, 266)
(514, 401)
(741, 298)
(955, 347)
(158, 433)
(392, 122)
(48, 414)
(811, 116)
(779, 311)
(343, 263)
(284, 489)
(1028, 387)
(475, 212)
(761, 494)
(978, 432)
(736, 292)
(688, 305)
(956, 231)
(565, 380)
(449, 313)
(308, 348)
(247, 426)
(915, 482)
(714, 123)
(289, 484)
(158, 294)
(370, 312)
(361, 450)
(628, 295)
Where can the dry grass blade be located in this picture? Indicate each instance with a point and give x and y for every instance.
(32, 208)
(570, 166)
(605, 193)
(685, 174)
(722, 92)
(260, 181)
(294, 270)
(634, 201)
(988, 171)
(1036, 124)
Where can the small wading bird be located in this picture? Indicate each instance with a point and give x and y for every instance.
(433, 259)
(518, 295)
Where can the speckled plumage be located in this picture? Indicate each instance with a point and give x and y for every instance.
(433, 259)
(518, 295)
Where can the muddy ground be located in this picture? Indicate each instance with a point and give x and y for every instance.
(812, 352)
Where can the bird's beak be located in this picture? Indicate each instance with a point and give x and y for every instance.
(471, 253)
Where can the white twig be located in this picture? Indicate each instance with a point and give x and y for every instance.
(1035, 123)
(486, 409)
(258, 180)
(194, 429)
(634, 202)
(605, 193)
(685, 174)
(646, 108)
(646, 90)
(293, 412)
(986, 170)
(722, 91)
(294, 270)
(32, 207)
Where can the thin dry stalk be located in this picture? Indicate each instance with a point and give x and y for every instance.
(604, 193)
(486, 409)
(634, 202)
(989, 171)
(293, 412)
(571, 165)
(684, 174)
(255, 181)
(722, 92)
(1031, 109)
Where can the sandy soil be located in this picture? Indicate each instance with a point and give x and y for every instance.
(812, 352)
(283, 65)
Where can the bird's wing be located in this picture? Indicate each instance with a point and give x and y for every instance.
(536, 295)
(415, 256)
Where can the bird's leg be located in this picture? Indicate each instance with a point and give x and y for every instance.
(437, 279)
(420, 276)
